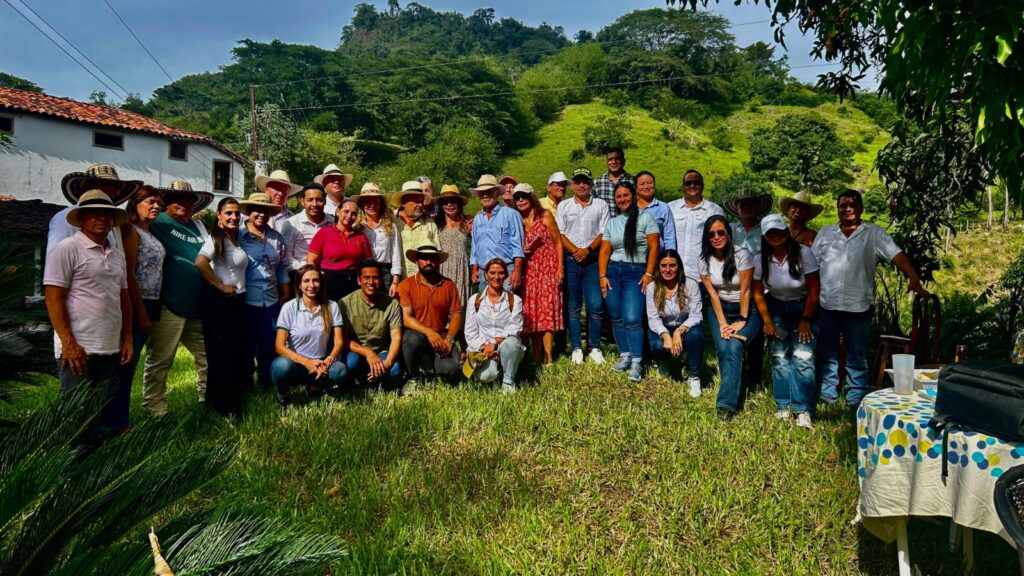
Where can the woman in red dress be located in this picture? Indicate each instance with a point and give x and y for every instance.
(542, 298)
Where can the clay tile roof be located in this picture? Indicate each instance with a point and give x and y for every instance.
(46, 105)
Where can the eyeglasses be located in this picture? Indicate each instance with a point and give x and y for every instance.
(689, 183)
(447, 201)
(717, 233)
(521, 196)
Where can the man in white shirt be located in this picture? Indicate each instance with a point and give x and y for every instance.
(101, 177)
(690, 212)
(581, 221)
(334, 182)
(847, 254)
(300, 228)
(494, 321)
(280, 188)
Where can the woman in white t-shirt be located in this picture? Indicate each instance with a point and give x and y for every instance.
(786, 289)
(222, 263)
(727, 272)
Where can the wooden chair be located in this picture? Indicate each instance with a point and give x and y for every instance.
(923, 342)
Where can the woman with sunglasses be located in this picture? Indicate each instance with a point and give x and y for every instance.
(727, 272)
(454, 228)
(542, 299)
(628, 257)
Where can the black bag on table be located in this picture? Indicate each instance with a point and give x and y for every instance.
(983, 396)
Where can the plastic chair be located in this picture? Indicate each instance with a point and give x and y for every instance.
(924, 341)
(1009, 501)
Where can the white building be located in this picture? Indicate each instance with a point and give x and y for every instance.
(53, 136)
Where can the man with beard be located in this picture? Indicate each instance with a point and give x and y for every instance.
(373, 328)
(414, 226)
(432, 313)
(299, 230)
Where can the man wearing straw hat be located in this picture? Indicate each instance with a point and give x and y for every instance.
(414, 226)
(102, 177)
(278, 186)
(748, 207)
(298, 231)
(334, 182)
(182, 236)
(497, 233)
(87, 295)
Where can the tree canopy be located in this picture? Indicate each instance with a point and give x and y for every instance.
(801, 151)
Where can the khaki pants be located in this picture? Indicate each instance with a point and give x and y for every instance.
(162, 347)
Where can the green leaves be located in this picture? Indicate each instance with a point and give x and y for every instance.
(1005, 49)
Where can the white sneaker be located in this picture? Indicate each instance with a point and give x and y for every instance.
(783, 414)
(508, 389)
(596, 356)
(694, 383)
(803, 420)
(577, 357)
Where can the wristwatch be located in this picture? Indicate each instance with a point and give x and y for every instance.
(744, 318)
(807, 319)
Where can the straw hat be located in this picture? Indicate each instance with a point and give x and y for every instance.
(474, 360)
(261, 200)
(428, 250)
(451, 191)
(74, 184)
(200, 199)
(410, 188)
(488, 182)
(96, 200)
(333, 170)
(801, 197)
(369, 190)
(732, 206)
(278, 176)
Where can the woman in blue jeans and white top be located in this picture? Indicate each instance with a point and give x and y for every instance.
(786, 289)
(629, 254)
(674, 318)
(727, 272)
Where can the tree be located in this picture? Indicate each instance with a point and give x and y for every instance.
(736, 182)
(12, 81)
(98, 97)
(801, 151)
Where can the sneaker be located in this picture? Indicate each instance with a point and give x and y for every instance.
(577, 357)
(694, 383)
(803, 420)
(596, 356)
(663, 369)
(622, 365)
(410, 387)
(508, 388)
(636, 371)
(783, 414)
(725, 415)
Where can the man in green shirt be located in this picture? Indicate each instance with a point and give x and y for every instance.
(182, 237)
(373, 329)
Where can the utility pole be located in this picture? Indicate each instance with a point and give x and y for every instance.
(255, 135)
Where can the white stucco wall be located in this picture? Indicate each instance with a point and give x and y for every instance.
(45, 149)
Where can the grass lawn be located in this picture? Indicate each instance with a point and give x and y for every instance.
(581, 472)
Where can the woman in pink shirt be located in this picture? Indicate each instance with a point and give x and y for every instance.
(338, 250)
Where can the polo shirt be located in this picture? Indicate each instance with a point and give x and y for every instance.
(277, 220)
(500, 236)
(749, 240)
(268, 266)
(423, 232)
(779, 283)
(581, 223)
(298, 232)
(305, 327)
(370, 324)
(690, 231)
(615, 234)
(662, 214)
(230, 268)
(547, 204)
(386, 249)
(728, 288)
(182, 281)
(340, 250)
(848, 265)
(431, 305)
(604, 189)
(94, 276)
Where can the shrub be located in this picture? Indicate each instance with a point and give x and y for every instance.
(843, 111)
(607, 132)
(721, 137)
(577, 155)
(617, 98)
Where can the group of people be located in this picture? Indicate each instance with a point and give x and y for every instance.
(383, 290)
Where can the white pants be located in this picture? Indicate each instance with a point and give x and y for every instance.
(161, 349)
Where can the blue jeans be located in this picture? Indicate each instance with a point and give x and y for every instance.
(792, 360)
(730, 353)
(260, 337)
(286, 373)
(99, 370)
(693, 346)
(855, 328)
(358, 367)
(626, 307)
(115, 415)
(510, 355)
(583, 284)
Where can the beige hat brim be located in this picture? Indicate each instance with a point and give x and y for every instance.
(813, 209)
(396, 199)
(367, 195)
(262, 181)
(411, 255)
(498, 187)
(120, 216)
(246, 207)
(319, 179)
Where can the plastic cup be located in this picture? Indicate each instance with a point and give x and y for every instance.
(903, 373)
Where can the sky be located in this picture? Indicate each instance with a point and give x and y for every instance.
(193, 36)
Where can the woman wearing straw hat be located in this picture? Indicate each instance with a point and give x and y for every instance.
(453, 232)
(800, 210)
(338, 250)
(223, 263)
(266, 282)
(414, 226)
(381, 230)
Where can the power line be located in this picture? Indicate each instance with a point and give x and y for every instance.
(137, 39)
(537, 90)
(70, 43)
(459, 62)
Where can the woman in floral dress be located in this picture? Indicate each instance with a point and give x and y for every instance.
(542, 298)
(453, 233)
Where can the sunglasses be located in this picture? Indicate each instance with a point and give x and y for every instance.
(689, 183)
(520, 196)
(447, 201)
(717, 233)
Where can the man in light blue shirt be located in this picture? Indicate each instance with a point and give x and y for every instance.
(497, 233)
(649, 204)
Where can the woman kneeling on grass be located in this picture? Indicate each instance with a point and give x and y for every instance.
(494, 321)
(727, 273)
(787, 298)
(674, 317)
(305, 328)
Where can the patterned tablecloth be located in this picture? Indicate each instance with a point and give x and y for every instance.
(899, 461)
